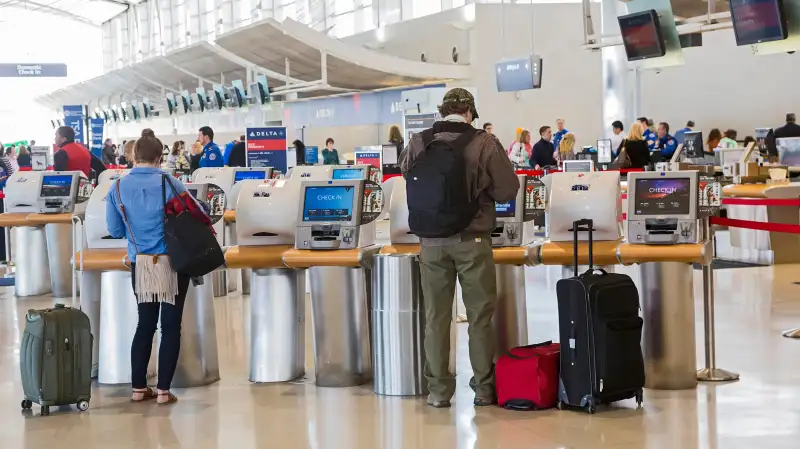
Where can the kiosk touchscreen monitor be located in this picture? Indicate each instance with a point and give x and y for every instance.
(604, 151)
(579, 166)
(56, 186)
(198, 191)
(58, 192)
(578, 196)
(662, 207)
(330, 216)
(505, 210)
(511, 229)
(249, 174)
(693, 143)
(348, 173)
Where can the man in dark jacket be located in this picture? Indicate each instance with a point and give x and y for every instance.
(790, 129)
(238, 155)
(543, 151)
(109, 154)
(466, 256)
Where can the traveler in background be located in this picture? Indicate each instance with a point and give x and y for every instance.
(649, 136)
(714, 137)
(329, 155)
(194, 158)
(70, 156)
(520, 152)
(137, 212)
(109, 153)
(748, 140)
(790, 129)
(560, 132)
(32, 144)
(396, 138)
(12, 159)
(617, 137)
(6, 170)
(228, 148)
(466, 256)
(126, 160)
(299, 152)
(212, 156)
(172, 159)
(543, 154)
(689, 128)
(238, 156)
(566, 149)
(489, 128)
(665, 143)
(24, 157)
(634, 152)
(729, 139)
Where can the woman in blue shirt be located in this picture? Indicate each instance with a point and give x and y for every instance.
(136, 211)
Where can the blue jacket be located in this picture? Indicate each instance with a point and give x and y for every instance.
(212, 156)
(558, 136)
(227, 156)
(667, 145)
(679, 135)
(650, 137)
(141, 195)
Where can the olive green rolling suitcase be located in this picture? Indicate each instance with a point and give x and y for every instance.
(55, 358)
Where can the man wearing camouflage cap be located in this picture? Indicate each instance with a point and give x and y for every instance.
(466, 255)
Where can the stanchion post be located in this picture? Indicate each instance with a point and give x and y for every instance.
(711, 373)
(9, 263)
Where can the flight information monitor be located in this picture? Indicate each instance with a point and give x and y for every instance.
(670, 196)
(249, 174)
(756, 21)
(56, 186)
(641, 35)
(328, 203)
(348, 173)
(506, 210)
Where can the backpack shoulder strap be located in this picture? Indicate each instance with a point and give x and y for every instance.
(428, 136)
(465, 138)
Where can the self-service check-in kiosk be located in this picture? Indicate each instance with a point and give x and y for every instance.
(222, 187)
(39, 207)
(266, 221)
(662, 207)
(334, 239)
(107, 296)
(514, 230)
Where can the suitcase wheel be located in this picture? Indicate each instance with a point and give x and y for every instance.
(45, 410)
(559, 405)
(26, 404)
(83, 405)
(590, 407)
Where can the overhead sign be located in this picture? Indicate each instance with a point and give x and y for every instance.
(33, 70)
(416, 123)
(519, 74)
(312, 155)
(74, 117)
(266, 147)
(96, 126)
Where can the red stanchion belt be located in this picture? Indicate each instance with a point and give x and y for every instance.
(787, 202)
(756, 225)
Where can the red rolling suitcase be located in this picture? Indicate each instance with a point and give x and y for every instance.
(527, 377)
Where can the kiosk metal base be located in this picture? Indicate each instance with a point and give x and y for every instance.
(90, 305)
(30, 250)
(277, 325)
(716, 375)
(59, 256)
(511, 314)
(339, 309)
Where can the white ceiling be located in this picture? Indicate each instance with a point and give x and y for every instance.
(93, 12)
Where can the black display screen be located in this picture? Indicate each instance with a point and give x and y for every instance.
(506, 210)
(641, 35)
(756, 21)
(56, 186)
(669, 196)
(693, 143)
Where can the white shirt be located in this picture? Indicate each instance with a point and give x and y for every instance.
(616, 141)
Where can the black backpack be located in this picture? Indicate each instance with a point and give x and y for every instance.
(440, 203)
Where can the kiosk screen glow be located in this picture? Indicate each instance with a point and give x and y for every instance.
(348, 174)
(333, 203)
(56, 186)
(508, 209)
(662, 196)
(245, 175)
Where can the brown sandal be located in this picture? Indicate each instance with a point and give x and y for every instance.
(147, 394)
(172, 398)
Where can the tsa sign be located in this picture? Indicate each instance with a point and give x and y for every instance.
(369, 157)
(73, 117)
(266, 147)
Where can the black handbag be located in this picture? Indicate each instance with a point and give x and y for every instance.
(191, 245)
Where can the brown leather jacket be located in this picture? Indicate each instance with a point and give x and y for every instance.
(490, 174)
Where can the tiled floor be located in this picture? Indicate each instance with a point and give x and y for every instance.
(760, 411)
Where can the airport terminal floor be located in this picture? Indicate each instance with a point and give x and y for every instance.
(761, 410)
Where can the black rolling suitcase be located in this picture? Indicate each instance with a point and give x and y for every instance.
(55, 358)
(601, 333)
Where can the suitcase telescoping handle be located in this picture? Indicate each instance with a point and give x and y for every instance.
(577, 227)
(537, 345)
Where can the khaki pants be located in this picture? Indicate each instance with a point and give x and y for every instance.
(472, 262)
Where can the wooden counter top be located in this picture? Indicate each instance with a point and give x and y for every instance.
(561, 253)
(43, 219)
(14, 219)
(745, 190)
(614, 253)
(689, 253)
(403, 248)
(229, 216)
(512, 255)
(256, 256)
(103, 259)
(304, 258)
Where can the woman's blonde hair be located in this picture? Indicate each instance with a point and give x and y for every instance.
(522, 135)
(128, 153)
(567, 144)
(197, 147)
(394, 134)
(636, 132)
